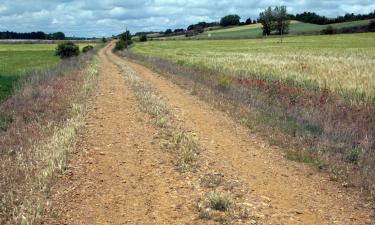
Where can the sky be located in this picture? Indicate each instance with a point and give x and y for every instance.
(98, 18)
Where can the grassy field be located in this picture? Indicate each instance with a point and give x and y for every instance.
(343, 63)
(255, 30)
(17, 60)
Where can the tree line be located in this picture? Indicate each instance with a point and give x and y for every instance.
(32, 35)
(274, 20)
(311, 17)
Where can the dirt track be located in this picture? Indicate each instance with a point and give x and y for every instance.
(120, 175)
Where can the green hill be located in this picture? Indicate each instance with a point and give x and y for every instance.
(255, 30)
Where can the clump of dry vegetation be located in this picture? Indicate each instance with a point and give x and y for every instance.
(46, 112)
(182, 142)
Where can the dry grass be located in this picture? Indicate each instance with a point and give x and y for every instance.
(46, 111)
(318, 126)
(184, 144)
(342, 63)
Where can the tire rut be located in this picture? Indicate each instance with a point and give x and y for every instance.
(118, 174)
(288, 192)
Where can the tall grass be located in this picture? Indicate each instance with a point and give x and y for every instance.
(342, 63)
(47, 110)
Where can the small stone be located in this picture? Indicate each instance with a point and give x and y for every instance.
(299, 211)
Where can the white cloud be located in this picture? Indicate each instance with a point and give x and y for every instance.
(107, 17)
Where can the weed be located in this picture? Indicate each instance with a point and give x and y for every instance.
(224, 82)
(300, 156)
(5, 122)
(354, 156)
(212, 180)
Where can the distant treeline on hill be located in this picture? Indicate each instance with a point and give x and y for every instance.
(32, 35)
(233, 20)
(311, 17)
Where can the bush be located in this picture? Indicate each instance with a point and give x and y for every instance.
(120, 45)
(371, 26)
(87, 48)
(329, 30)
(224, 82)
(143, 38)
(67, 50)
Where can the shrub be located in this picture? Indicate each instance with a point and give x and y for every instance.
(120, 45)
(143, 38)
(104, 40)
(371, 26)
(67, 50)
(224, 82)
(329, 30)
(218, 201)
(87, 48)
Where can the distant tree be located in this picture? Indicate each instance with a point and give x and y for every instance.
(254, 21)
(143, 38)
(168, 31)
(230, 20)
(266, 19)
(58, 36)
(281, 20)
(124, 42)
(126, 36)
(67, 50)
(248, 21)
(179, 30)
(104, 40)
(329, 30)
(371, 26)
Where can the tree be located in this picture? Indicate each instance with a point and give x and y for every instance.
(281, 20)
(58, 36)
(168, 31)
(143, 38)
(266, 19)
(371, 26)
(67, 50)
(248, 21)
(230, 20)
(104, 40)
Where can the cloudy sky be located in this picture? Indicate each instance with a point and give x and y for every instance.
(106, 17)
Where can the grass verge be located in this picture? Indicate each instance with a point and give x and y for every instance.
(46, 111)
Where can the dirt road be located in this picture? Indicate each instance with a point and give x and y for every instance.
(119, 174)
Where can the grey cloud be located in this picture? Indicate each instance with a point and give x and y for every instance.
(107, 17)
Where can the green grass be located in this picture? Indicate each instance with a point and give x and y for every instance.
(343, 63)
(16, 60)
(255, 30)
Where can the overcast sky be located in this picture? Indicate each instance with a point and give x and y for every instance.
(106, 17)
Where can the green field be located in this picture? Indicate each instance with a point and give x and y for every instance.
(255, 30)
(343, 63)
(17, 60)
